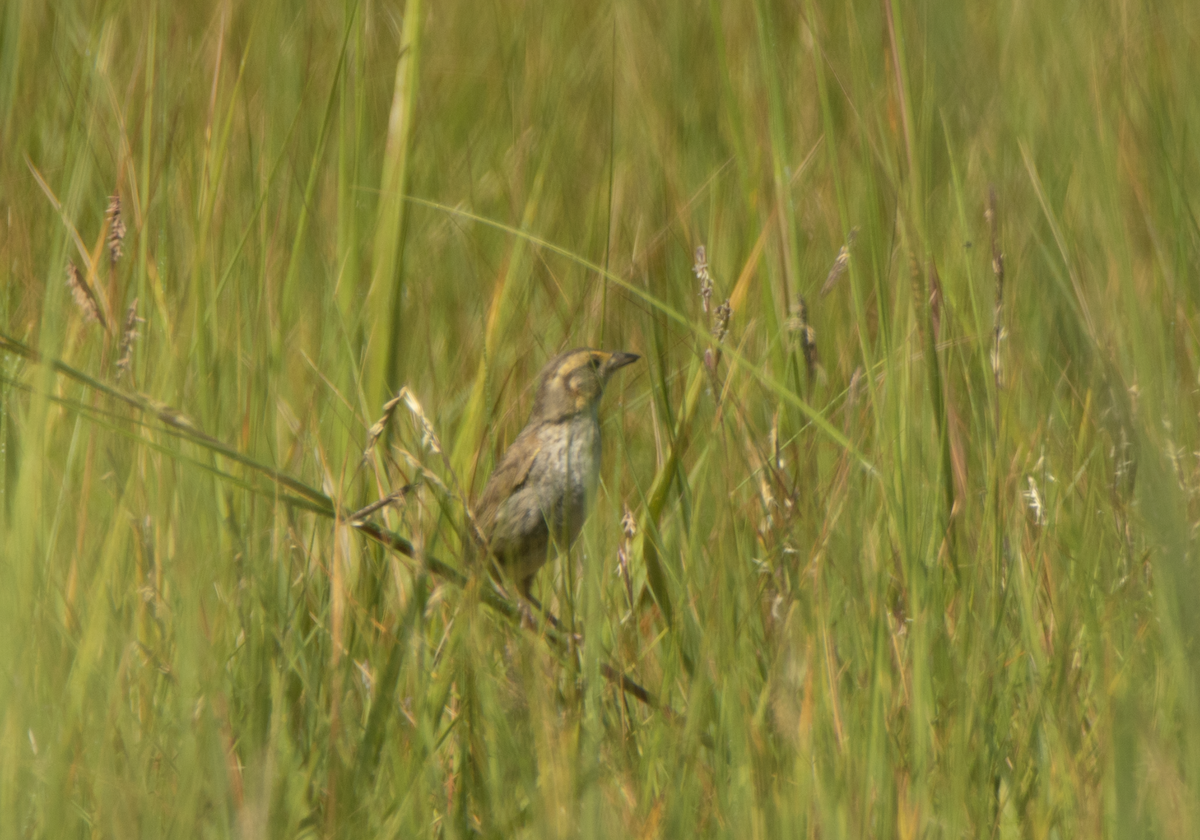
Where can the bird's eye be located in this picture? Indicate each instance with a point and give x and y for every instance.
(594, 362)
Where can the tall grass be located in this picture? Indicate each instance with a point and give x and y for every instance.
(909, 557)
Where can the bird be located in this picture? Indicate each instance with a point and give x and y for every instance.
(537, 496)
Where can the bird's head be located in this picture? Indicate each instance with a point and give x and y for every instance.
(574, 381)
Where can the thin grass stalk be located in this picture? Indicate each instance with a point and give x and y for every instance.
(384, 330)
(315, 170)
(502, 314)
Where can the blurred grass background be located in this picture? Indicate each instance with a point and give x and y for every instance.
(907, 562)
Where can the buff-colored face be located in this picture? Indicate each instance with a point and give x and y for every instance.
(574, 381)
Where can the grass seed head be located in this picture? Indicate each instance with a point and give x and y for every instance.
(373, 433)
(84, 297)
(799, 324)
(998, 331)
(840, 263)
(116, 229)
(129, 334)
(721, 321)
(700, 269)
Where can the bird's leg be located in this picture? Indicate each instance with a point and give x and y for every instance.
(526, 587)
(527, 601)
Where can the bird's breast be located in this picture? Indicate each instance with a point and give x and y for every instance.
(571, 469)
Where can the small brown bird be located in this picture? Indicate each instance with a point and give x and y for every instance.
(538, 494)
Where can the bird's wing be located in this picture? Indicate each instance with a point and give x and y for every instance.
(509, 474)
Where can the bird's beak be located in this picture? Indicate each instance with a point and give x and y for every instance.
(618, 360)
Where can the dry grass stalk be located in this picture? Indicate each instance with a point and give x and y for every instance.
(391, 498)
(423, 476)
(116, 229)
(176, 419)
(998, 331)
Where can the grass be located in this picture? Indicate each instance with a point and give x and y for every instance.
(912, 558)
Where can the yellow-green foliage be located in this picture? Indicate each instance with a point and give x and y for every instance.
(904, 557)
